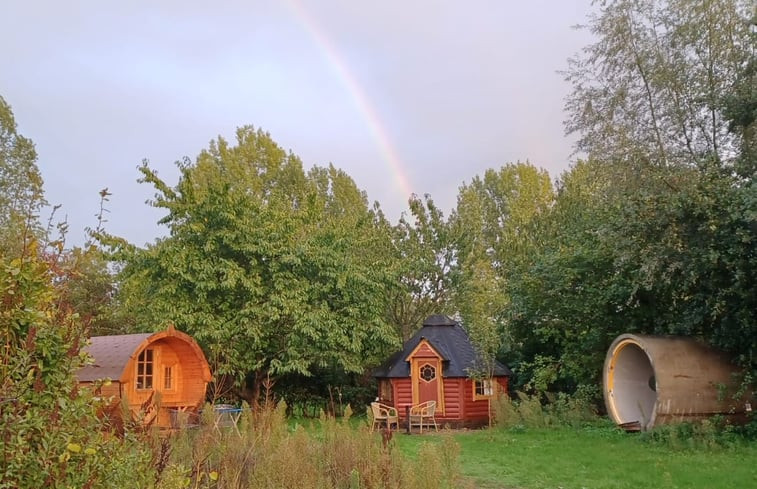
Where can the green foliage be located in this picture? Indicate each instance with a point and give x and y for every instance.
(559, 410)
(21, 193)
(425, 251)
(650, 89)
(50, 433)
(655, 232)
(493, 219)
(328, 390)
(86, 286)
(707, 434)
(272, 270)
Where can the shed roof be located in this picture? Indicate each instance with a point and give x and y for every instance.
(111, 354)
(450, 340)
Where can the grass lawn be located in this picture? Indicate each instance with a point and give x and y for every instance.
(589, 458)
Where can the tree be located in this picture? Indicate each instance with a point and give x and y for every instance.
(425, 251)
(653, 233)
(650, 90)
(21, 192)
(567, 295)
(272, 270)
(495, 217)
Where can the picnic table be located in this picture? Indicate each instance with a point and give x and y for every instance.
(226, 416)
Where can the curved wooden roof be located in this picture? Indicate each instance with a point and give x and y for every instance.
(112, 354)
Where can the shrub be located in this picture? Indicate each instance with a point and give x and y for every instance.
(528, 411)
(50, 434)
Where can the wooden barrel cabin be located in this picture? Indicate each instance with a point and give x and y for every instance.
(166, 371)
(437, 364)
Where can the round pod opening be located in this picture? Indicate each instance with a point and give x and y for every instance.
(631, 385)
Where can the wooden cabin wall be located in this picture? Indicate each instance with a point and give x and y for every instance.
(111, 391)
(478, 410)
(188, 385)
(403, 394)
(459, 404)
(453, 403)
(474, 410)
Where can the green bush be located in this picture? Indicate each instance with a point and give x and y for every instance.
(50, 435)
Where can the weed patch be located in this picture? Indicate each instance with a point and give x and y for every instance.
(270, 452)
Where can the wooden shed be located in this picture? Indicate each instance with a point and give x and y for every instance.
(436, 364)
(165, 370)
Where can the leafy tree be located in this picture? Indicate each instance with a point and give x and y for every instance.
(616, 257)
(495, 216)
(653, 233)
(21, 192)
(86, 286)
(650, 89)
(272, 270)
(740, 109)
(567, 296)
(425, 250)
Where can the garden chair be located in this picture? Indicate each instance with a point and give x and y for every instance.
(423, 414)
(384, 415)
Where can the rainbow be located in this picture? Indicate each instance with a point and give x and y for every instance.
(359, 97)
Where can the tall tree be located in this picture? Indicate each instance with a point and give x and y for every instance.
(637, 239)
(650, 89)
(272, 270)
(495, 216)
(425, 249)
(21, 192)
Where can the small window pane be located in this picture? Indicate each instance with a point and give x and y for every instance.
(167, 379)
(144, 369)
(428, 373)
(484, 388)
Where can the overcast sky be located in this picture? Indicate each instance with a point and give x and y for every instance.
(405, 96)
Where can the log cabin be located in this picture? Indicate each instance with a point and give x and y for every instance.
(165, 371)
(437, 364)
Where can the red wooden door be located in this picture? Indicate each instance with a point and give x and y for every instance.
(429, 376)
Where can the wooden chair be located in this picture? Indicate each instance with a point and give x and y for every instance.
(423, 414)
(384, 415)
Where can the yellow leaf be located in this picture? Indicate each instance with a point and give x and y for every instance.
(74, 447)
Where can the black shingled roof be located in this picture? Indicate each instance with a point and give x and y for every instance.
(448, 338)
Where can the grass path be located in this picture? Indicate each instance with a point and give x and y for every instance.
(590, 458)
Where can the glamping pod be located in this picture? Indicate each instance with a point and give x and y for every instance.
(651, 380)
(435, 365)
(166, 371)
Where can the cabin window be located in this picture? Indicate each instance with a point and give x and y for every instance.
(428, 373)
(168, 378)
(145, 369)
(385, 390)
(483, 389)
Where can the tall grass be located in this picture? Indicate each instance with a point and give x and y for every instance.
(269, 452)
(527, 411)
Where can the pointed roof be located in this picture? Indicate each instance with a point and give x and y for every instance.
(450, 340)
